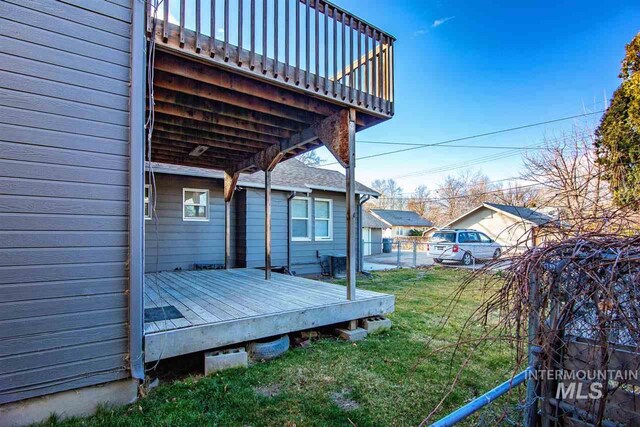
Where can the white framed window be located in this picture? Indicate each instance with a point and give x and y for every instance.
(147, 201)
(300, 218)
(399, 231)
(195, 204)
(323, 214)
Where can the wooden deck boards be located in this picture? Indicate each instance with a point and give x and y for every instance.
(223, 307)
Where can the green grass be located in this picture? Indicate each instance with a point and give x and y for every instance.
(392, 378)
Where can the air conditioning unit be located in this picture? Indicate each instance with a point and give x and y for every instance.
(338, 266)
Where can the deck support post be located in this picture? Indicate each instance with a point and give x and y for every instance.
(267, 224)
(338, 134)
(230, 181)
(352, 208)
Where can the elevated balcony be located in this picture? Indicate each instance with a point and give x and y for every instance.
(310, 46)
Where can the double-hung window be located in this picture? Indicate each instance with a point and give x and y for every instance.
(147, 201)
(323, 211)
(300, 218)
(195, 204)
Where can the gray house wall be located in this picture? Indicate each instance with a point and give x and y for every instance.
(254, 227)
(64, 161)
(304, 254)
(179, 243)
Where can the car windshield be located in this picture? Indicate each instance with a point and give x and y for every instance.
(443, 238)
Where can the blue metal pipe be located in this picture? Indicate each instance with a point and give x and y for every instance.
(482, 401)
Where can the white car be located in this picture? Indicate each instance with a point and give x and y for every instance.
(462, 246)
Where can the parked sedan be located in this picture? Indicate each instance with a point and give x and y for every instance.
(462, 246)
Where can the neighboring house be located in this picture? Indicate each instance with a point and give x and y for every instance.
(92, 88)
(308, 218)
(372, 228)
(400, 223)
(510, 226)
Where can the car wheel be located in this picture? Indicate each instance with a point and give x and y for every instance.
(497, 253)
(467, 258)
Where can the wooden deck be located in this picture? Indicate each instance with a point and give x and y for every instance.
(224, 307)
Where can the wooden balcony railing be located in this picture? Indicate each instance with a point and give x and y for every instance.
(311, 45)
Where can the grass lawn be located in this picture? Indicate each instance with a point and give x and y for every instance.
(392, 378)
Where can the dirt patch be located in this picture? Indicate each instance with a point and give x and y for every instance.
(270, 390)
(343, 401)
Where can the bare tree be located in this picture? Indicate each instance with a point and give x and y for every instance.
(517, 195)
(310, 158)
(390, 194)
(419, 202)
(570, 179)
(458, 194)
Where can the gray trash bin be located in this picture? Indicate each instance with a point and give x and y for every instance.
(387, 244)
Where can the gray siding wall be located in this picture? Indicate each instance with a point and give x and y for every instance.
(64, 74)
(254, 227)
(304, 257)
(179, 243)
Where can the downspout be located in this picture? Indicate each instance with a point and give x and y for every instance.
(291, 196)
(136, 189)
(363, 199)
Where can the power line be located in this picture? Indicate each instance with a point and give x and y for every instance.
(480, 135)
(498, 190)
(497, 147)
(480, 160)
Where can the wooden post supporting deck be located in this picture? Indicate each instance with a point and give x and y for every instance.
(338, 134)
(267, 224)
(230, 181)
(352, 209)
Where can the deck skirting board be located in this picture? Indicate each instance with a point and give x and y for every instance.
(165, 344)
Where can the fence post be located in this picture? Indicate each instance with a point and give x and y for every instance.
(398, 261)
(415, 254)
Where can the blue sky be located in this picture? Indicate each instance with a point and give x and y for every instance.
(468, 67)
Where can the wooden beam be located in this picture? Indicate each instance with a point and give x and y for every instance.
(181, 148)
(195, 87)
(195, 161)
(230, 182)
(238, 146)
(352, 206)
(198, 71)
(335, 133)
(212, 130)
(242, 127)
(206, 104)
(267, 224)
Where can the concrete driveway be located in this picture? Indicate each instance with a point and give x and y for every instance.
(390, 261)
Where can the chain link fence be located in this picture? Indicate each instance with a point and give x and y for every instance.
(396, 253)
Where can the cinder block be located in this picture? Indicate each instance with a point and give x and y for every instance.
(219, 360)
(351, 335)
(376, 324)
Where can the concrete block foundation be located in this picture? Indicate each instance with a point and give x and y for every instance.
(219, 360)
(351, 335)
(376, 324)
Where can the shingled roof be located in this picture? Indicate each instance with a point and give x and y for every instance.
(538, 218)
(401, 218)
(291, 175)
(370, 221)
